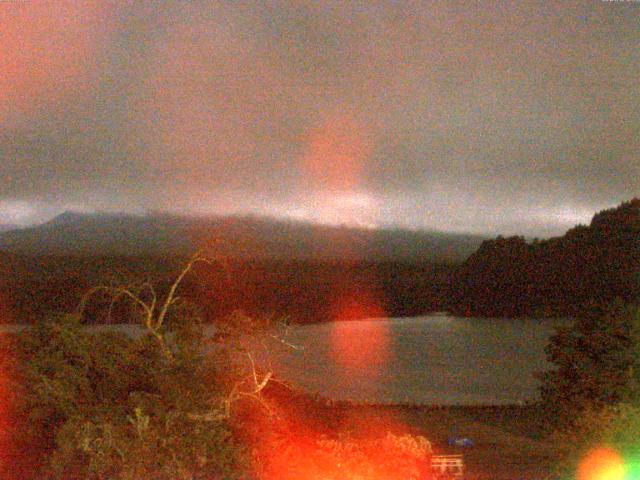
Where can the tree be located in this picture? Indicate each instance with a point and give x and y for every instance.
(560, 276)
(597, 362)
(107, 404)
(167, 402)
(495, 280)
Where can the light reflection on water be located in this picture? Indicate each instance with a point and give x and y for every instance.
(434, 360)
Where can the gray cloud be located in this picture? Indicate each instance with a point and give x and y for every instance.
(483, 117)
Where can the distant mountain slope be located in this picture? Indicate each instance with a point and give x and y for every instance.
(589, 265)
(241, 237)
(5, 227)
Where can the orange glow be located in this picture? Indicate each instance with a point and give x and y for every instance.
(4, 393)
(301, 454)
(45, 51)
(335, 156)
(602, 463)
(359, 353)
(305, 439)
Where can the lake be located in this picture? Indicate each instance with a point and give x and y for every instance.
(438, 359)
(429, 360)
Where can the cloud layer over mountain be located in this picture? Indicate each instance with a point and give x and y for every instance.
(485, 117)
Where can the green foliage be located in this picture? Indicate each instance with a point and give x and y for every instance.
(615, 427)
(593, 427)
(110, 405)
(596, 363)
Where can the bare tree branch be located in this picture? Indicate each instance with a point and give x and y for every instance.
(241, 342)
(169, 300)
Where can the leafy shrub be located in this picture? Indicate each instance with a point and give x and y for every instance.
(108, 405)
(291, 456)
(161, 402)
(596, 361)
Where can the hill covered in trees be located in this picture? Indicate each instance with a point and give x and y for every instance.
(308, 272)
(594, 264)
(304, 290)
(253, 238)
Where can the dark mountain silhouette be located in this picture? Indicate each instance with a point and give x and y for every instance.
(240, 237)
(589, 265)
(5, 227)
(308, 272)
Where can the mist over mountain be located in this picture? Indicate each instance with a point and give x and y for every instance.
(73, 233)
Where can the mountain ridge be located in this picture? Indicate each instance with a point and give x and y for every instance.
(6, 227)
(589, 265)
(103, 233)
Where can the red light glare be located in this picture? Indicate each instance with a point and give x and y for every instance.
(46, 49)
(360, 351)
(336, 154)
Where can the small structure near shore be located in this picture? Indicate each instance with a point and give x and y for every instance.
(447, 466)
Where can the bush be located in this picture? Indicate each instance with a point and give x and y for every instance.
(597, 363)
(291, 455)
(108, 405)
(593, 395)
(161, 402)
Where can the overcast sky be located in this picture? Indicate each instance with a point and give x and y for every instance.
(493, 117)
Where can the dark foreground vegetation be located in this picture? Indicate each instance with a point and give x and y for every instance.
(101, 404)
(592, 395)
(104, 405)
(90, 405)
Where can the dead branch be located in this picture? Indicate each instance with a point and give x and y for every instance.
(154, 312)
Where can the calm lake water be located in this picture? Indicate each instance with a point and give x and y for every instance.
(441, 360)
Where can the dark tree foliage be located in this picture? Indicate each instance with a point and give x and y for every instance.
(596, 363)
(561, 276)
(592, 396)
(302, 290)
(494, 279)
(165, 402)
(106, 405)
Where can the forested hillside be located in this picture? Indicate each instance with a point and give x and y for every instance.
(306, 291)
(308, 271)
(592, 264)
